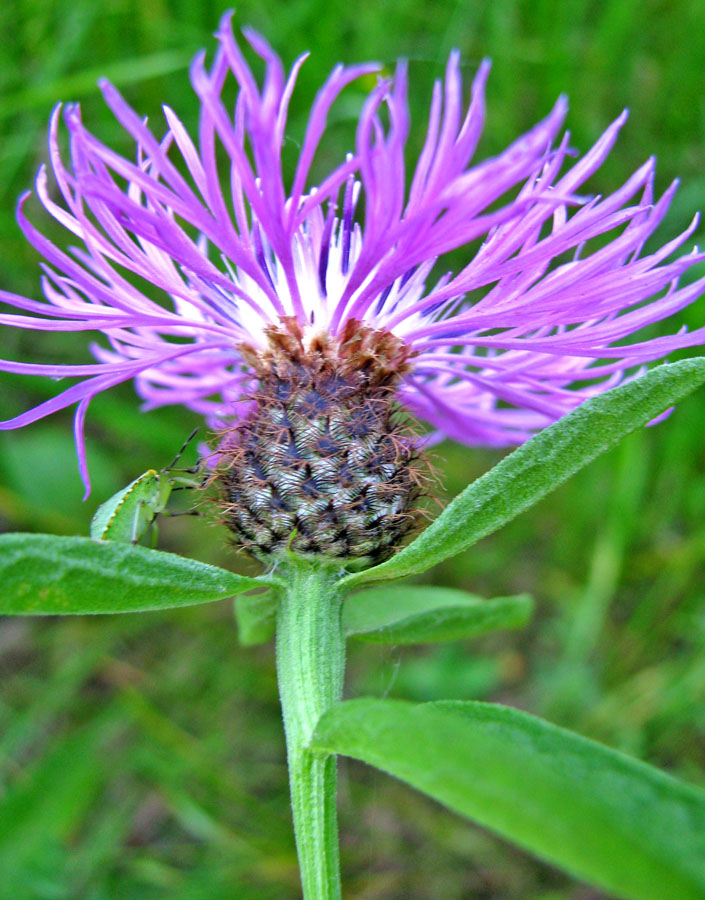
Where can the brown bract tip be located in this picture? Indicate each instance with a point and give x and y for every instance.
(359, 355)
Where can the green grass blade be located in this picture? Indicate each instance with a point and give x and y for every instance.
(42, 811)
(129, 71)
(42, 574)
(537, 467)
(600, 815)
(422, 614)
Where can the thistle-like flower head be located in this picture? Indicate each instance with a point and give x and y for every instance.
(249, 260)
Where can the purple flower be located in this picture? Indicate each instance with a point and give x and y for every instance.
(531, 326)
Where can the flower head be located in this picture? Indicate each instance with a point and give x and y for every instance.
(530, 326)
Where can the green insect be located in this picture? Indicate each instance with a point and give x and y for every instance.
(129, 514)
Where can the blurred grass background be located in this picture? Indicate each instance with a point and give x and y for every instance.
(141, 757)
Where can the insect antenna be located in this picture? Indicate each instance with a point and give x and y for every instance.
(181, 452)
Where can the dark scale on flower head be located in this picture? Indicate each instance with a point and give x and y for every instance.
(325, 463)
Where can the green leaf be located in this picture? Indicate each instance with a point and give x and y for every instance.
(602, 816)
(256, 617)
(536, 468)
(41, 574)
(419, 614)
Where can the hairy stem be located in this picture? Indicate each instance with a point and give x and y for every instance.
(310, 666)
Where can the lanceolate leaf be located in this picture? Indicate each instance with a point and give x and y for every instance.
(41, 574)
(419, 614)
(536, 468)
(256, 617)
(600, 815)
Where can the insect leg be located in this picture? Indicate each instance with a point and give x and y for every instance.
(154, 537)
(135, 523)
(141, 520)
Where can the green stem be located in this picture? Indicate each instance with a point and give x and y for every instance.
(310, 667)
